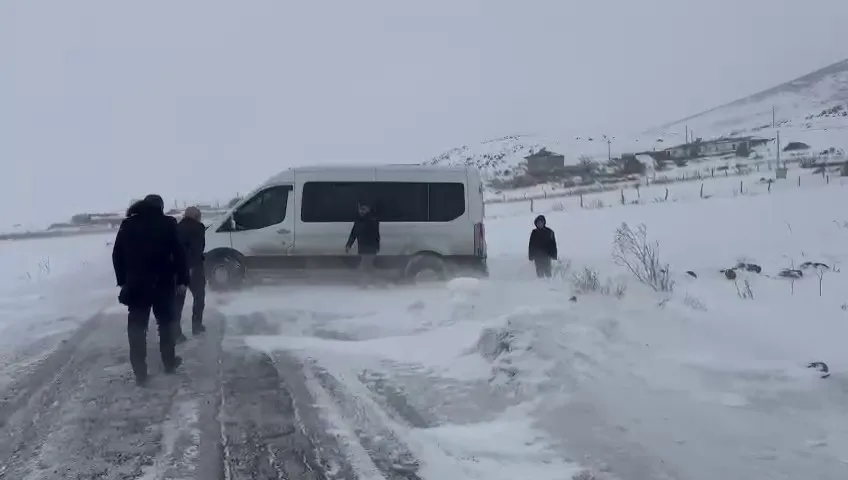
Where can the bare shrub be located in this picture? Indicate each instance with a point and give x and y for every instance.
(618, 290)
(820, 271)
(694, 303)
(589, 281)
(588, 474)
(745, 291)
(633, 251)
(558, 207)
(44, 267)
(586, 281)
(561, 268)
(596, 204)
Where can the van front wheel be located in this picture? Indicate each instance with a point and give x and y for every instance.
(224, 272)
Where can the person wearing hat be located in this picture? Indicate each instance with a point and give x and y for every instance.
(542, 248)
(365, 232)
(149, 265)
(192, 234)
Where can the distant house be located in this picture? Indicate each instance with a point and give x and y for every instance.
(718, 146)
(687, 150)
(545, 162)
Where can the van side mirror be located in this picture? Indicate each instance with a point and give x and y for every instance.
(228, 225)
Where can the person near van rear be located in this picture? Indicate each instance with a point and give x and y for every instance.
(150, 266)
(192, 234)
(542, 248)
(366, 233)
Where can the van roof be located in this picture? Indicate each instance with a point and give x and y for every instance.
(286, 175)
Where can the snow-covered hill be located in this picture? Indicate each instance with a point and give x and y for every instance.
(502, 157)
(812, 109)
(818, 99)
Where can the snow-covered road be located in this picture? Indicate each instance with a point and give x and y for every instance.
(506, 378)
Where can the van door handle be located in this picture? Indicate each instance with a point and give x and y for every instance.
(284, 230)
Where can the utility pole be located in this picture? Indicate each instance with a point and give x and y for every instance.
(773, 123)
(687, 133)
(609, 150)
(778, 149)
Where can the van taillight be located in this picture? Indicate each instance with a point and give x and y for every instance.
(479, 239)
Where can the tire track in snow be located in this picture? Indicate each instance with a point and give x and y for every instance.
(349, 435)
(191, 444)
(17, 399)
(263, 436)
(387, 451)
(86, 418)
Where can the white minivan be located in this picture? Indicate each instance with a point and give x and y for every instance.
(297, 222)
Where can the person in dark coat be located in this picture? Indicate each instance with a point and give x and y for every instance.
(192, 234)
(149, 265)
(366, 233)
(542, 248)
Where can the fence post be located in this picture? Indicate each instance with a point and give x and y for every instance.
(712, 172)
(666, 194)
(531, 205)
(740, 187)
(702, 190)
(828, 179)
(799, 180)
(622, 196)
(638, 195)
(581, 200)
(769, 186)
(726, 174)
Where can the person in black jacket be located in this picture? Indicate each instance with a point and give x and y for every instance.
(192, 235)
(149, 266)
(366, 233)
(542, 247)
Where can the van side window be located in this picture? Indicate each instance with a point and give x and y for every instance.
(447, 201)
(266, 208)
(400, 201)
(325, 202)
(331, 201)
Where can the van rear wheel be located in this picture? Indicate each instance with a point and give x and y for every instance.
(224, 272)
(426, 268)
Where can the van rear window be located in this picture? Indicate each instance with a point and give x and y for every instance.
(325, 202)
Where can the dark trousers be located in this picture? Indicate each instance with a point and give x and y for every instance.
(543, 267)
(197, 286)
(137, 323)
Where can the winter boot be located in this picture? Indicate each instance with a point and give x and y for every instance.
(169, 369)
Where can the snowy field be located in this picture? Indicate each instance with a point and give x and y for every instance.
(692, 190)
(514, 377)
(48, 287)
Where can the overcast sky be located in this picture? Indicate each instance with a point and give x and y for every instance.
(101, 101)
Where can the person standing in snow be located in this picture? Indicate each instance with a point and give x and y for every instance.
(542, 248)
(150, 266)
(192, 235)
(366, 233)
